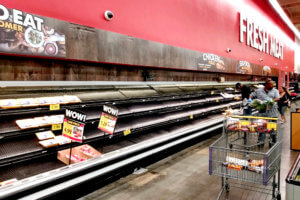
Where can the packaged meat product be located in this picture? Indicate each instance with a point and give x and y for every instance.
(72, 99)
(41, 121)
(62, 140)
(88, 151)
(27, 102)
(45, 135)
(26, 123)
(7, 182)
(50, 100)
(60, 100)
(41, 101)
(226, 95)
(75, 158)
(9, 103)
(56, 119)
(49, 143)
(85, 149)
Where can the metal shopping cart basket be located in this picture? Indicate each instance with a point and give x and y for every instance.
(249, 150)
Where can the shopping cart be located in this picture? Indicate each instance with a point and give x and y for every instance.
(248, 150)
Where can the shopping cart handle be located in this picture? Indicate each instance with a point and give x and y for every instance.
(254, 117)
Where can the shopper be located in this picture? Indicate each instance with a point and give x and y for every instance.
(245, 90)
(267, 93)
(283, 102)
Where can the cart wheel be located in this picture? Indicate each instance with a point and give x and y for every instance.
(278, 197)
(227, 187)
(270, 144)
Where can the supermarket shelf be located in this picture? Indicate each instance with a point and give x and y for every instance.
(90, 99)
(17, 84)
(28, 148)
(176, 135)
(150, 111)
(9, 128)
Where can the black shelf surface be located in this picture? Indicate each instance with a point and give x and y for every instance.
(49, 162)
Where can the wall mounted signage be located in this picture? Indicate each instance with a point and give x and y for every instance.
(258, 38)
(211, 62)
(108, 119)
(266, 70)
(28, 34)
(243, 67)
(73, 126)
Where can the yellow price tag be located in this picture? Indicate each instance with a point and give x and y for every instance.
(217, 100)
(56, 127)
(191, 116)
(127, 132)
(54, 107)
(235, 91)
(68, 129)
(212, 92)
(103, 122)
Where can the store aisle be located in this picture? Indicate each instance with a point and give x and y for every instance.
(184, 176)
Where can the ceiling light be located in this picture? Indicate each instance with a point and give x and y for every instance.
(284, 17)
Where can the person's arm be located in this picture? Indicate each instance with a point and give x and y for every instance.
(253, 95)
(277, 96)
(282, 94)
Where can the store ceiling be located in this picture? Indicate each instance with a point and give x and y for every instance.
(292, 9)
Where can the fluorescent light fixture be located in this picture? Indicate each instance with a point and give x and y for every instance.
(284, 17)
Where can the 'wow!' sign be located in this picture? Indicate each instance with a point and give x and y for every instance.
(73, 127)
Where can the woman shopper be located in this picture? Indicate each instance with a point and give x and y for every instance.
(283, 102)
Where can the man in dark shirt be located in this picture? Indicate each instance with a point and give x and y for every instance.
(245, 90)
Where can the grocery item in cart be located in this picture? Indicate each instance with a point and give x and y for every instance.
(242, 164)
(256, 169)
(256, 162)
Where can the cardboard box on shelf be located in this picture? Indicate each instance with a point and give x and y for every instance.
(88, 152)
(80, 153)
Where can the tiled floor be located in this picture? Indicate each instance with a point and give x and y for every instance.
(184, 176)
